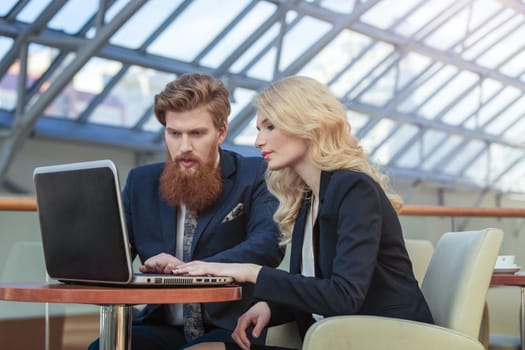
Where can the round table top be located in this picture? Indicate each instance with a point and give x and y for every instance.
(86, 294)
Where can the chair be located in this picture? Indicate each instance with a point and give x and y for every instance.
(504, 304)
(420, 253)
(455, 287)
(287, 335)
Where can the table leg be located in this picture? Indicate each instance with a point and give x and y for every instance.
(522, 318)
(115, 327)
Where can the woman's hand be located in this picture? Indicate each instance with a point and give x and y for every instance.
(240, 272)
(160, 263)
(258, 316)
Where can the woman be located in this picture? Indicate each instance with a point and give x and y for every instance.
(347, 250)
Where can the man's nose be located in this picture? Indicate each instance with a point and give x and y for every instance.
(185, 144)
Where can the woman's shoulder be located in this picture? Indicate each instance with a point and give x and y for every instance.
(339, 183)
(349, 175)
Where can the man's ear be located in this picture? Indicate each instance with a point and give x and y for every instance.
(223, 130)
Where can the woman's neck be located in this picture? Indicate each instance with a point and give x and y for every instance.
(310, 174)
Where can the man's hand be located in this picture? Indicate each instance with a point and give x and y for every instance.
(258, 316)
(161, 263)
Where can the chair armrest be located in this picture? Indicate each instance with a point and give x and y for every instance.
(285, 335)
(371, 332)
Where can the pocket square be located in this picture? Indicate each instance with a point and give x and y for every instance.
(234, 213)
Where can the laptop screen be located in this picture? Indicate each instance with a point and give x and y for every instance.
(83, 231)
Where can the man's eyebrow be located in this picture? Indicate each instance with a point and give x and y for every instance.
(199, 128)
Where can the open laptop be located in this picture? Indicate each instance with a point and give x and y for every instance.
(84, 232)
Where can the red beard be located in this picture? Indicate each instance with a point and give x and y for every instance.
(197, 189)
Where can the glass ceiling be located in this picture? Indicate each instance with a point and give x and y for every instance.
(434, 88)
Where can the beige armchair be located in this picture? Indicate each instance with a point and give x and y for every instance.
(420, 253)
(455, 286)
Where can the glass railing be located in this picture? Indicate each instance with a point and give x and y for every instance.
(72, 327)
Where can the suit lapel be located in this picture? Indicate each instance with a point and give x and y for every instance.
(168, 223)
(227, 164)
(298, 238)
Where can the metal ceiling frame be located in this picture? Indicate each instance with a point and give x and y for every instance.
(26, 119)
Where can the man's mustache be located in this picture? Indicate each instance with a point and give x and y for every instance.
(181, 158)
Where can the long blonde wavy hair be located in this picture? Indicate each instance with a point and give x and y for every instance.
(305, 108)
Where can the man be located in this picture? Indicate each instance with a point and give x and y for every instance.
(224, 191)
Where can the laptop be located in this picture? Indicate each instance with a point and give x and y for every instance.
(83, 228)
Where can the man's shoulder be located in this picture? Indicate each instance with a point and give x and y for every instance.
(245, 163)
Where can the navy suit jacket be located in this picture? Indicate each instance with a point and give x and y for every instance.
(361, 263)
(251, 237)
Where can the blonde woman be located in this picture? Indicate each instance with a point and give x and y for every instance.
(347, 251)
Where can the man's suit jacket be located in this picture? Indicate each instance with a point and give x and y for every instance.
(249, 236)
(361, 263)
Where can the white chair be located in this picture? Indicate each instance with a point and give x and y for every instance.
(504, 303)
(420, 253)
(455, 287)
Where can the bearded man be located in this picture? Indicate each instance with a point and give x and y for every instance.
(224, 192)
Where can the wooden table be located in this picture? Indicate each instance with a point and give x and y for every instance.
(115, 302)
(503, 279)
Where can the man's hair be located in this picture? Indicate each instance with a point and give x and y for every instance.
(192, 91)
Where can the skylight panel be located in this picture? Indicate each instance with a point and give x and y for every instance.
(426, 142)
(491, 38)
(506, 118)
(143, 23)
(410, 66)
(501, 159)
(131, 97)
(513, 179)
(299, 38)
(345, 6)
(83, 88)
(378, 133)
(5, 45)
(240, 98)
(190, 33)
(425, 90)
(361, 69)
(247, 58)
(385, 13)
(461, 159)
(264, 67)
(357, 121)
(496, 105)
(382, 90)
(247, 136)
(74, 15)
(505, 46)
(32, 10)
(394, 143)
(517, 131)
(6, 6)
(477, 169)
(446, 94)
(433, 160)
(466, 106)
(515, 66)
(336, 56)
(152, 124)
(231, 41)
(463, 22)
(421, 16)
